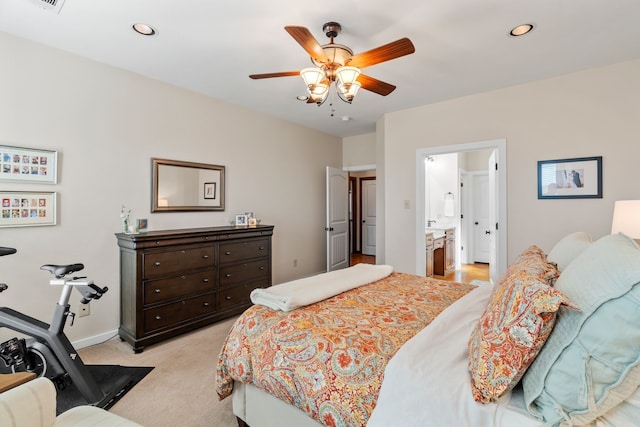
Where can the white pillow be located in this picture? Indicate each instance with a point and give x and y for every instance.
(568, 248)
(626, 413)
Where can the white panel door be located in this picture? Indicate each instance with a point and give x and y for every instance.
(369, 217)
(337, 219)
(481, 228)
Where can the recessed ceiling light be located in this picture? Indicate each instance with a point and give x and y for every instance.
(144, 29)
(521, 30)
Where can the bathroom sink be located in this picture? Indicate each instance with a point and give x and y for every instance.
(436, 232)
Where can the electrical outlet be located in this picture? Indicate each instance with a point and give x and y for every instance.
(84, 310)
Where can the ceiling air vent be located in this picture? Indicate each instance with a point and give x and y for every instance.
(49, 5)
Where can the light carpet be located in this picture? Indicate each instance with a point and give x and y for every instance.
(180, 391)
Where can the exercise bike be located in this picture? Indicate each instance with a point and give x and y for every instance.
(48, 352)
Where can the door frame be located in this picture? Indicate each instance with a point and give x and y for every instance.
(500, 146)
(355, 220)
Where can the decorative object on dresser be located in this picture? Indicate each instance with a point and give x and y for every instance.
(174, 281)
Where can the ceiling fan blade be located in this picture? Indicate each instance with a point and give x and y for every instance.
(375, 85)
(383, 53)
(270, 75)
(304, 37)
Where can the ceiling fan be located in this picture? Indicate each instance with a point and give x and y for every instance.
(336, 64)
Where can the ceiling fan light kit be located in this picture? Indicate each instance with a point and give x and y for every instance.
(336, 65)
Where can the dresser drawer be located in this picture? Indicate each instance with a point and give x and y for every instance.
(171, 314)
(237, 295)
(247, 271)
(175, 287)
(238, 251)
(159, 263)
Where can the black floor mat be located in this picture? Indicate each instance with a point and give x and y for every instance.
(114, 381)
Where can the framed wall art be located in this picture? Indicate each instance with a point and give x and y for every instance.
(579, 178)
(27, 208)
(28, 165)
(210, 190)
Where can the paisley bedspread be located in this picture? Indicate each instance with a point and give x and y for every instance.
(328, 358)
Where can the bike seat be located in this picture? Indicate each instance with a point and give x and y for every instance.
(61, 270)
(6, 251)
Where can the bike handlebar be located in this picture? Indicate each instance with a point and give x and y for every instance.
(90, 292)
(7, 251)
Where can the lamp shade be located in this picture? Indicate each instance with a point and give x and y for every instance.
(347, 75)
(315, 80)
(626, 218)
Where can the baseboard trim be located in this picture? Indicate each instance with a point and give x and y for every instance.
(96, 339)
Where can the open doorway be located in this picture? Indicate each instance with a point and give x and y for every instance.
(429, 204)
(362, 215)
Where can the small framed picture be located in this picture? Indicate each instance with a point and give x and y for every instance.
(252, 222)
(210, 190)
(142, 225)
(241, 220)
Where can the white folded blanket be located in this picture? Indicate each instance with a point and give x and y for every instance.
(297, 293)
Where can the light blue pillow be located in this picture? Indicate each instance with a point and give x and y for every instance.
(591, 361)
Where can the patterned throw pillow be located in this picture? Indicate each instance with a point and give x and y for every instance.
(515, 325)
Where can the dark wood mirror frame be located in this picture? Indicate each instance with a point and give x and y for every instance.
(178, 186)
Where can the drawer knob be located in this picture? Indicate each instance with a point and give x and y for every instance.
(205, 280)
(158, 317)
(157, 264)
(227, 275)
(183, 252)
(206, 304)
(206, 257)
(261, 248)
(183, 277)
(261, 267)
(227, 253)
(157, 291)
(228, 298)
(206, 237)
(157, 242)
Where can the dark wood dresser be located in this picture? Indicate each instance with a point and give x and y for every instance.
(174, 281)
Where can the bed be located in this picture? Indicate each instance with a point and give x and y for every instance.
(398, 351)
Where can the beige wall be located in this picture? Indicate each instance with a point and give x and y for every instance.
(359, 151)
(590, 113)
(106, 124)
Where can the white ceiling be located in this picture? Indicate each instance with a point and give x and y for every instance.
(462, 46)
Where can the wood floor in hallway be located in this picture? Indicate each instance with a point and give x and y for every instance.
(467, 273)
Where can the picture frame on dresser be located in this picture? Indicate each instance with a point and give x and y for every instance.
(577, 178)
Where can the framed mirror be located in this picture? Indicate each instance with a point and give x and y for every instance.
(178, 186)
